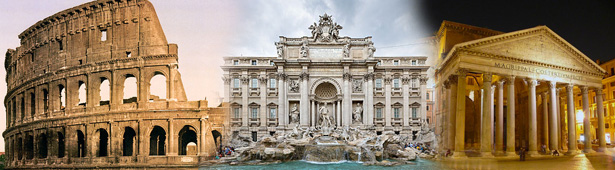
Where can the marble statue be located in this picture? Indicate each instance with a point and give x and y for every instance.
(294, 86)
(370, 50)
(326, 30)
(347, 50)
(280, 49)
(304, 49)
(357, 86)
(325, 117)
(294, 114)
(356, 115)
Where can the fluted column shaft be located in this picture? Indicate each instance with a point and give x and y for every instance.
(545, 120)
(452, 111)
(572, 132)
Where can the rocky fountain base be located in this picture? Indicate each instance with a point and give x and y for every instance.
(338, 145)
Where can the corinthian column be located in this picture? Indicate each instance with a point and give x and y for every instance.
(461, 114)
(282, 113)
(510, 118)
(553, 134)
(305, 102)
(545, 120)
(572, 132)
(452, 109)
(486, 129)
(586, 123)
(499, 125)
(533, 149)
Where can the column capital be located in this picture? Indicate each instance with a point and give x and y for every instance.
(447, 84)
(500, 82)
(532, 82)
(282, 76)
(511, 78)
(552, 84)
(487, 77)
(584, 89)
(423, 80)
(462, 71)
(452, 79)
(368, 76)
(347, 76)
(405, 80)
(305, 76)
(226, 79)
(598, 91)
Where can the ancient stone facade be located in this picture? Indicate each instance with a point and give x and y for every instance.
(58, 115)
(501, 92)
(325, 78)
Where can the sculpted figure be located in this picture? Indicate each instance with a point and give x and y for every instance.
(356, 115)
(294, 114)
(324, 114)
(370, 50)
(280, 50)
(304, 49)
(347, 50)
(294, 86)
(357, 86)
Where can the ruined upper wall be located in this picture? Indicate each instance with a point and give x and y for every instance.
(93, 32)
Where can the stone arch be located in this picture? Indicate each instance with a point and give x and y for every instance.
(325, 80)
(19, 148)
(42, 145)
(187, 135)
(61, 144)
(29, 146)
(32, 104)
(158, 86)
(103, 143)
(82, 93)
(157, 141)
(104, 93)
(128, 142)
(81, 144)
(61, 97)
(130, 92)
(217, 138)
(45, 101)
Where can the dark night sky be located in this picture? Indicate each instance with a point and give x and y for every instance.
(587, 25)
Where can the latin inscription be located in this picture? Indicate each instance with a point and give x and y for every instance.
(537, 70)
(326, 52)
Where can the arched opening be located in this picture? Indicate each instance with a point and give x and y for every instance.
(29, 147)
(45, 100)
(23, 108)
(32, 104)
(129, 141)
(105, 91)
(103, 143)
(82, 94)
(156, 141)
(80, 144)
(61, 145)
(19, 149)
(42, 146)
(158, 87)
(186, 135)
(130, 89)
(217, 137)
(62, 96)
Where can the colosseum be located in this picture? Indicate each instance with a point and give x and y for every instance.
(78, 94)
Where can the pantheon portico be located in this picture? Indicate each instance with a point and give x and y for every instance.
(325, 79)
(504, 91)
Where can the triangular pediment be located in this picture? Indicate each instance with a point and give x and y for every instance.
(538, 44)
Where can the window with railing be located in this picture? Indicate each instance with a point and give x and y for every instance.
(235, 62)
(395, 112)
(254, 83)
(379, 83)
(414, 110)
(378, 113)
(272, 112)
(254, 112)
(236, 83)
(396, 83)
(414, 84)
(236, 112)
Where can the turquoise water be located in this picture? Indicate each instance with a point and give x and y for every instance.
(300, 165)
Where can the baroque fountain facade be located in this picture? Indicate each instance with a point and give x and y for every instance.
(325, 98)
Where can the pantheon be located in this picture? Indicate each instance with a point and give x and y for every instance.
(325, 78)
(501, 92)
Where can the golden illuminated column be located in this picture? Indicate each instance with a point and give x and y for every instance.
(572, 132)
(461, 114)
(486, 129)
(533, 149)
(510, 118)
(452, 110)
(545, 120)
(499, 124)
(553, 117)
(586, 124)
(600, 110)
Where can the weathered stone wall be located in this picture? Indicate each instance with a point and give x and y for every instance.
(48, 126)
